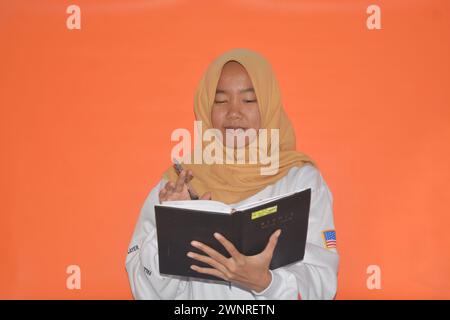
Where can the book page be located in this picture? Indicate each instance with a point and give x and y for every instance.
(267, 200)
(201, 205)
(220, 207)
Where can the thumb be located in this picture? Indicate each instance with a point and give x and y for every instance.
(272, 242)
(206, 196)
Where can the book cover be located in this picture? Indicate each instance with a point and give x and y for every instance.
(248, 227)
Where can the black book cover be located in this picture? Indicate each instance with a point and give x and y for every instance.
(249, 230)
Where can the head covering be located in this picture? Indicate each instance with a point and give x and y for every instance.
(231, 183)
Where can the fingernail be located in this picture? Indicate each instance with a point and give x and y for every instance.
(194, 243)
(190, 254)
(193, 267)
(217, 235)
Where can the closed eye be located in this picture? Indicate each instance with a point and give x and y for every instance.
(249, 101)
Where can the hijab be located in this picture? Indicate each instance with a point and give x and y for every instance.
(233, 182)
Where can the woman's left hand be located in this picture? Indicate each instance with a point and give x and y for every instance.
(251, 272)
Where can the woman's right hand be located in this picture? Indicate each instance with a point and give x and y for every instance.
(179, 190)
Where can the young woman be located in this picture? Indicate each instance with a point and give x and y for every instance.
(240, 92)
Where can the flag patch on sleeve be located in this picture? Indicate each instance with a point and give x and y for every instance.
(329, 236)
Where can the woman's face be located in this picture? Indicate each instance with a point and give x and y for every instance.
(235, 106)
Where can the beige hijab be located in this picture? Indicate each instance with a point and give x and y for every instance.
(231, 183)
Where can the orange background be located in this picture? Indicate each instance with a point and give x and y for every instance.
(86, 117)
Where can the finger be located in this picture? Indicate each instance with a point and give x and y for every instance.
(208, 260)
(210, 252)
(191, 188)
(272, 243)
(206, 196)
(228, 245)
(162, 195)
(190, 185)
(210, 271)
(189, 176)
(180, 182)
(169, 187)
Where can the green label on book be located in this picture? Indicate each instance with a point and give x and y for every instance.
(263, 212)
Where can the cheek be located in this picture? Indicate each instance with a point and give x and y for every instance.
(254, 117)
(217, 117)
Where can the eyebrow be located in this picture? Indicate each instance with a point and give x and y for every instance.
(240, 91)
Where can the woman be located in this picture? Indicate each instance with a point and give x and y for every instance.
(239, 92)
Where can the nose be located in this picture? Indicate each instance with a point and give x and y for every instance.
(234, 110)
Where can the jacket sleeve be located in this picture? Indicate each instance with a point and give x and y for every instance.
(315, 277)
(142, 258)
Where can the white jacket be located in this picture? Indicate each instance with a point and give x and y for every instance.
(315, 277)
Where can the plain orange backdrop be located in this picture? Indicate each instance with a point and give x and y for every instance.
(86, 117)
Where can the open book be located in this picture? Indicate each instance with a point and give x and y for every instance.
(248, 227)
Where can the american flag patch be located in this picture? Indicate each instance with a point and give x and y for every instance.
(329, 237)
